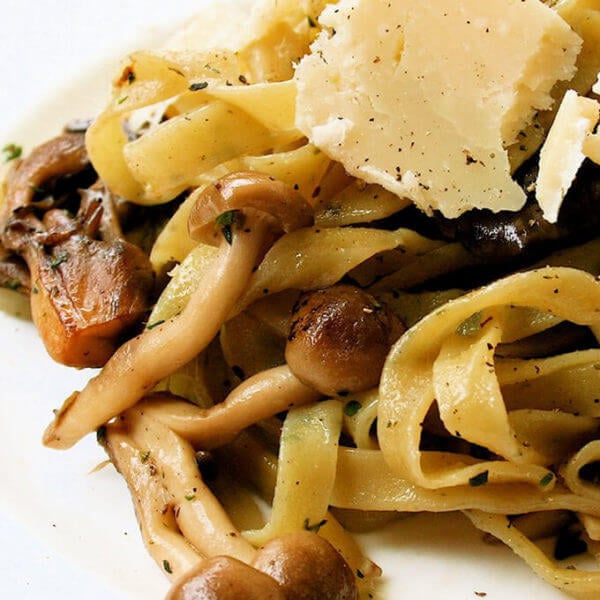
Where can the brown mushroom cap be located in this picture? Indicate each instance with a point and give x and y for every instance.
(339, 339)
(248, 190)
(307, 567)
(225, 578)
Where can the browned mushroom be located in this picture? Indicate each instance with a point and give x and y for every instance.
(225, 578)
(14, 274)
(62, 155)
(307, 567)
(242, 213)
(85, 291)
(339, 339)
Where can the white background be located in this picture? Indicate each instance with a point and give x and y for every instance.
(67, 532)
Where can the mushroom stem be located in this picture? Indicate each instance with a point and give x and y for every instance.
(139, 364)
(259, 397)
(160, 533)
(199, 515)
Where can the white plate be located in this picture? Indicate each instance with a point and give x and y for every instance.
(67, 531)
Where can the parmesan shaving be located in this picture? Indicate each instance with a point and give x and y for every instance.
(564, 151)
(428, 104)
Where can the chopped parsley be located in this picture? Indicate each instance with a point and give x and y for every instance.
(225, 221)
(58, 260)
(546, 479)
(155, 324)
(314, 527)
(480, 479)
(11, 152)
(352, 408)
(167, 566)
(471, 325)
(101, 434)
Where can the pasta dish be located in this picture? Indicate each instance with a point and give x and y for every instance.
(335, 263)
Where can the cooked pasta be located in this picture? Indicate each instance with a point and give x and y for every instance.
(241, 406)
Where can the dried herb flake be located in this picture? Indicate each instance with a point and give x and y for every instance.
(479, 479)
(11, 152)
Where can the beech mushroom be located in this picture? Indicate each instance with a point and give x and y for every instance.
(296, 566)
(225, 578)
(242, 213)
(85, 291)
(259, 397)
(307, 567)
(339, 339)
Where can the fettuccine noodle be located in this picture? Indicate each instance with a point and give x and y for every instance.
(476, 406)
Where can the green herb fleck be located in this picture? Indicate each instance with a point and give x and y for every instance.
(352, 408)
(155, 324)
(12, 284)
(480, 479)
(471, 325)
(12, 152)
(122, 99)
(167, 566)
(190, 497)
(196, 87)
(225, 221)
(58, 260)
(546, 479)
(101, 435)
(144, 456)
(315, 527)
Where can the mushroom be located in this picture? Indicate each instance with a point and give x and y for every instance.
(296, 566)
(14, 274)
(338, 342)
(86, 292)
(60, 156)
(225, 578)
(258, 397)
(242, 213)
(307, 567)
(339, 339)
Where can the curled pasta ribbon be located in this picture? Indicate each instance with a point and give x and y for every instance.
(417, 373)
(577, 583)
(365, 482)
(574, 468)
(299, 482)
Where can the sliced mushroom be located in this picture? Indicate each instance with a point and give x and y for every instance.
(506, 237)
(60, 156)
(242, 213)
(225, 578)
(307, 567)
(339, 339)
(87, 286)
(14, 274)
